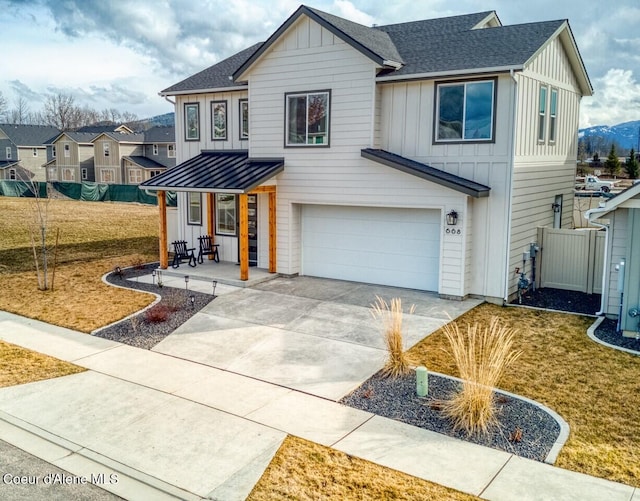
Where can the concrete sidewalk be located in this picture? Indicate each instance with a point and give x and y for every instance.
(171, 428)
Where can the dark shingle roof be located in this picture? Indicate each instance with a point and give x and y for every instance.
(226, 171)
(426, 50)
(79, 137)
(427, 172)
(160, 134)
(216, 76)
(144, 162)
(29, 135)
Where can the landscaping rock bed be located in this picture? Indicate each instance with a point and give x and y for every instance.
(397, 399)
(561, 300)
(138, 330)
(606, 332)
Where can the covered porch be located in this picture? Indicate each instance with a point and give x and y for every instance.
(229, 172)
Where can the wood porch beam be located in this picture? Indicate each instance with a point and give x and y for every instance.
(264, 189)
(244, 237)
(163, 244)
(211, 214)
(272, 232)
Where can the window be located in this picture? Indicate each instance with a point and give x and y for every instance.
(107, 175)
(192, 122)
(135, 176)
(465, 111)
(105, 149)
(171, 150)
(244, 119)
(307, 119)
(553, 111)
(84, 173)
(218, 120)
(67, 150)
(35, 152)
(155, 149)
(53, 151)
(194, 211)
(52, 174)
(12, 174)
(542, 113)
(7, 151)
(68, 175)
(153, 173)
(225, 214)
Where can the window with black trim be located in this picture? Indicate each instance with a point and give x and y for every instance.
(194, 208)
(244, 119)
(7, 152)
(218, 120)
(192, 122)
(307, 118)
(155, 149)
(171, 150)
(226, 214)
(553, 115)
(67, 150)
(12, 174)
(105, 149)
(465, 111)
(542, 113)
(84, 174)
(53, 151)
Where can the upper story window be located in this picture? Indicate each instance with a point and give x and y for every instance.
(84, 174)
(67, 150)
(155, 149)
(218, 120)
(171, 150)
(7, 151)
(542, 113)
(34, 151)
(192, 122)
(106, 149)
(553, 115)
(244, 119)
(465, 111)
(53, 151)
(307, 116)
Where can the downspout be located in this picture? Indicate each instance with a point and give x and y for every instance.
(168, 100)
(510, 184)
(605, 269)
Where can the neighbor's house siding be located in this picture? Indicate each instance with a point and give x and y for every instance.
(111, 162)
(630, 325)
(31, 163)
(407, 128)
(545, 169)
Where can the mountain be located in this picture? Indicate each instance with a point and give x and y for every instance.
(166, 119)
(625, 135)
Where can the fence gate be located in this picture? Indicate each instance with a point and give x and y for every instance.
(571, 259)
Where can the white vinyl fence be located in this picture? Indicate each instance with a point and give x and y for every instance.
(571, 259)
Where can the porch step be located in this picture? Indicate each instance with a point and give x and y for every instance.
(221, 278)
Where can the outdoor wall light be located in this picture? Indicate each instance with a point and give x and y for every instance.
(555, 207)
(214, 283)
(452, 218)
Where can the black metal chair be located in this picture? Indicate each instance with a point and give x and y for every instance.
(207, 248)
(182, 253)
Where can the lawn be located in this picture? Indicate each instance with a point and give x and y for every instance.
(594, 388)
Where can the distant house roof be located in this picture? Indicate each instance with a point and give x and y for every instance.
(78, 137)
(619, 200)
(106, 128)
(427, 172)
(455, 45)
(29, 135)
(160, 134)
(229, 171)
(137, 138)
(144, 162)
(7, 163)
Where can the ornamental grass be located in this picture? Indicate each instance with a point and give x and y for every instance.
(398, 361)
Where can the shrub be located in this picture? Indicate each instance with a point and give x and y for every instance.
(157, 314)
(174, 299)
(398, 362)
(482, 355)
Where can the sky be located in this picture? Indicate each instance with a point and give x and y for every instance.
(121, 53)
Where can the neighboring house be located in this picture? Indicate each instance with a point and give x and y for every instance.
(158, 154)
(420, 155)
(72, 157)
(621, 278)
(23, 151)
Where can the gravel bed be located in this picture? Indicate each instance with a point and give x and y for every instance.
(561, 300)
(397, 399)
(606, 332)
(137, 331)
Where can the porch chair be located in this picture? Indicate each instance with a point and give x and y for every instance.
(207, 248)
(182, 253)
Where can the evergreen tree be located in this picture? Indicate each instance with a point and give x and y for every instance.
(631, 165)
(612, 164)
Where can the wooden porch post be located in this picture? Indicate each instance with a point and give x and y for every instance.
(244, 237)
(211, 214)
(162, 206)
(272, 232)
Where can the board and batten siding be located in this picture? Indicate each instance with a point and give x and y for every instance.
(543, 169)
(407, 129)
(618, 242)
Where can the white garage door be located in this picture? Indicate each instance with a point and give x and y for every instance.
(398, 247)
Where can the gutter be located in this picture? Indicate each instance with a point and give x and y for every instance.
(605, 269)
(451, 73)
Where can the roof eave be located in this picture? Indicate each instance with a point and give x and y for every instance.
(450, 73)
(239, 87)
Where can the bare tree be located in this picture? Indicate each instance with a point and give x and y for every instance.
(61, 111)
(20, 112)
(3, 107)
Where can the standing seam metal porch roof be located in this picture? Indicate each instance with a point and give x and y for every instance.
(230, 171)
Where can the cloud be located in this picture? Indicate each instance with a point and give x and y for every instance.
(615, 94)
(22, 90)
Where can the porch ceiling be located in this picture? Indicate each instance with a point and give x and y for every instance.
(230, 171)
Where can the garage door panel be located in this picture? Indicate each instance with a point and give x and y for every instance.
(398, 247)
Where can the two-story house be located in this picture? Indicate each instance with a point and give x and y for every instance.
(23, 151)
(72, 157)
(398, 155)
(157, 154)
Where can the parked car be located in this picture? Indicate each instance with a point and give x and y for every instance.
(592, 183)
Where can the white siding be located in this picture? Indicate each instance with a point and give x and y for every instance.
(618, 237)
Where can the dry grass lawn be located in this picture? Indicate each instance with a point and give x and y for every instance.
(594, 388)
(302, 470)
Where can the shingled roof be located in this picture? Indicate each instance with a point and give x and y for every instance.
(29, 135)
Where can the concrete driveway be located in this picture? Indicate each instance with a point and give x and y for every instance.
(308, 334)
